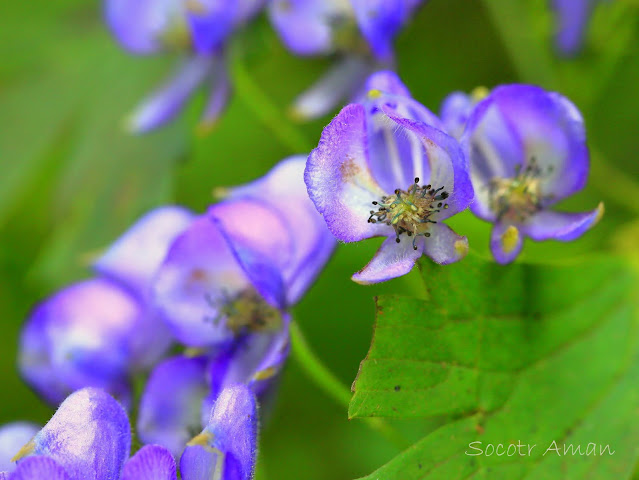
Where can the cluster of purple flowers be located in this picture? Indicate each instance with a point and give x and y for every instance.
(89, 438)
(220, 284)
(360, 32)
(388, 167)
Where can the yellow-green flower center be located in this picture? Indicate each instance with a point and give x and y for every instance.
(516, 199)
(410, 211)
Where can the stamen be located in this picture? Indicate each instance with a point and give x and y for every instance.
(410, 211)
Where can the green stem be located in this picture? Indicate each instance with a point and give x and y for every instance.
(331, 385)
(264, 110)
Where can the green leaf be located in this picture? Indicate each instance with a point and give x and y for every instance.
(528, 353)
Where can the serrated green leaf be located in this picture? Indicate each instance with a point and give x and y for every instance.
(526, 353)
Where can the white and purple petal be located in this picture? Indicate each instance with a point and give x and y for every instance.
(396, 155)
(391, 260)
(444, 164)
(171, 419)
(444, 246)
(152, 462)
(89, 437)
(339, 178)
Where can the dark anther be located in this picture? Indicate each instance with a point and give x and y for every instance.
(397, 191)
(427, 234)
(439, 205)
(397, 240)
(427, 187)
(409, 233)
(416, 179)
(444, 195)
(374, 203)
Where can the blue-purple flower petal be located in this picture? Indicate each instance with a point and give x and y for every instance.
(199, 275)
(563, 226)
(284, 190)
(255, 359)
(211, 21)
(572, 17)
(92, 333)
(171, 419)
(135, 257)
(167, 101)
(455, 111)
(506, 242)
(152, 462)
(307, 26)
(227, 447)
(39, 468)
(141, 25)
(379, 22)
(218, 97)
(261, 241)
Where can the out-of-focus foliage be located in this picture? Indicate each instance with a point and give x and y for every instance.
(71, 180)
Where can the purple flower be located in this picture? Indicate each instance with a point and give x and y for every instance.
(385, 168)
(89, 438)
(572, 22)
(362, 31)
(250, 257)
(170, 420)
(457, 107)
(100, 331)
(200, 28)
(224, 288)
(527, 151)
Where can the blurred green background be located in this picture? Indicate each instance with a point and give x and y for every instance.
(71, 180)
